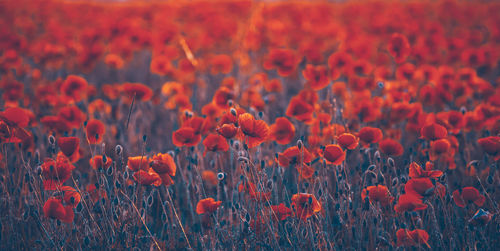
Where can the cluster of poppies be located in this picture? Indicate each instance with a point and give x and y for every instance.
(242, 124)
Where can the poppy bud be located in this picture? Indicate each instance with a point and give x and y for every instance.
(118, 150)
(52, 140)
(299, 144)
(233, 112)
(390, 161)
(221, 176)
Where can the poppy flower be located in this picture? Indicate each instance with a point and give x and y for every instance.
(95, 131)
(391, 147)
(316, 76)
(283, 60)
(481, 217)
(409, 202)
(69, 145)
(221, 64)
(281, 212)
(305, 171)
(227, 130)
(433, 131)
(138, 163)
(72, 115)
(148, 177)
(139, 91)
(491, 145)
(420, 187)
(222, 96)
(273, 85)
(215, 143)
(164, 165)
(378, 193)
(99, 162)
(338, 62)
(74, 87)
(210, 177)
(207, 206)
(305, 205)
(416, 171)
(16, 116)
(185, 136)
(114, 61)
(439, 147)
(399, 47)
(300, 109)
(56, 172)
(282, 131)
(53, 208)
(293, 155)
(71, 196)
(94, 193)
(468, 195)
(412, 238)
(370, 135)
(254, 132)
(347, 141)
(333, 154)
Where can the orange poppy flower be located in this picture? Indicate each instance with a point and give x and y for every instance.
(316, 76)
(378, 193)
(333, 154)
(95, 131)
(74, 87)
(185, 136)
(210, 177)
(97, 162)
(164, 165)
(53, 208)
(468, 195)
(207, 206)
(281, 212)
(491, 145)
(305, 205)
(282, 131)
(221, 64)
(222, 96)
(420, 187)
(56, 172)
(300, 109)
(273, 85)
(138, 163)
(283, 60)
(71, 196)
(370, 135)
(399, 47)
(412, 238)
(227, 130)
(214, 143)
(148, 177)
(305, 171)
(391, 147)
(409, 202)
(114, 61)
(433, 131)
(416, 171)
(254, 132)
(293, 155)
(139, 91)
(347, 141)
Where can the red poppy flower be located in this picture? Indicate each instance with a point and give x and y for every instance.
(409, 202)
(282, 131)
(391, 147)
(209, 177)
(281, 212)
(491, 145)
(138, 163)
(215, 143)
(347, 141)
(16, 116)
(74, 87)
(53, 208)
(148, 177)
(416, 171)
(412, 238)
(338, 62)
(283, 60)
(227, 130)
(95, 131)
(207, 206)
(293, 155)
(433, 131)
(164, 165)
(481, 217)
(420, 187)
(71, 196)
(468, 195)
(305, 171)
(221, 64)
(69, 145)
(399, 47)
(378, 193)
(370, 135)
(222, 96)
(316, 76)
(97, 162)
(185, 136)
(72, 115)
(55, 123)
(56, 172)
(300, 109)
(305, 205)
(333, 154)
(139, 91)
(254, 132)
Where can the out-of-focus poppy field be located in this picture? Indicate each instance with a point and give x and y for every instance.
(252, 125)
